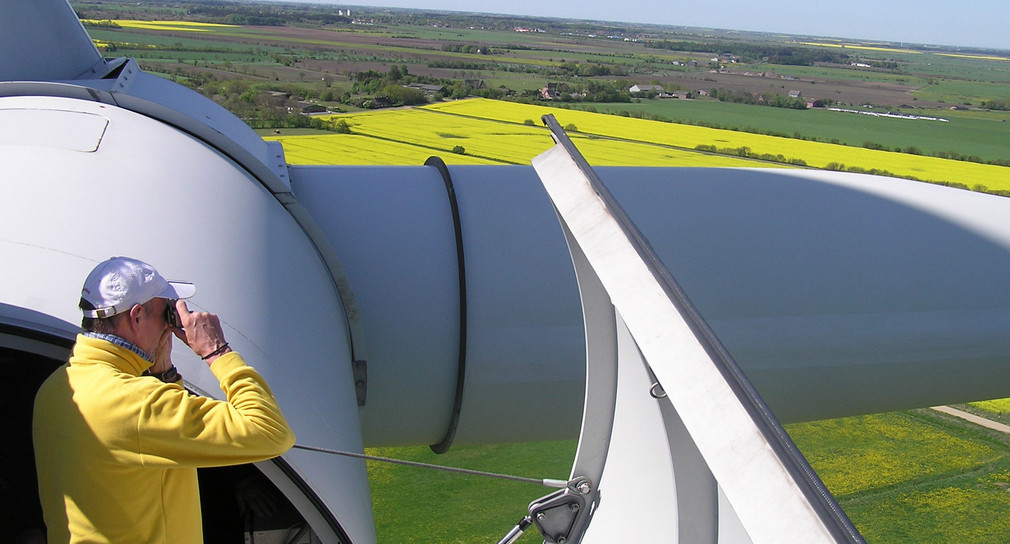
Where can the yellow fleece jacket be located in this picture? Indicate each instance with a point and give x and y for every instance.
(117, 452)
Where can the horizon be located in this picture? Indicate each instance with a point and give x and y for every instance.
(976, 24)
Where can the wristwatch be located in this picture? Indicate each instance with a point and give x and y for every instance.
(169, 376)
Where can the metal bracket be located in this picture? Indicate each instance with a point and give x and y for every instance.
(360, 370)
(563, 516)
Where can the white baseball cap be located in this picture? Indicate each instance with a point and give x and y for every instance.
(119, 283)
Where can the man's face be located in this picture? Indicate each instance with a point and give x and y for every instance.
(152, 324)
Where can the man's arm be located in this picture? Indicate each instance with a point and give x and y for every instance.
(178, 428)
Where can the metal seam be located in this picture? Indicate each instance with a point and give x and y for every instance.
(457, 405)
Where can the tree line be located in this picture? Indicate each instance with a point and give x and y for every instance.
(750, 52)
(764, 99)
(1001, 104)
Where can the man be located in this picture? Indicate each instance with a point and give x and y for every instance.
(117, 437)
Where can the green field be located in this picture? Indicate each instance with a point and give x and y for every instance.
(959, 92)
(917, 476)
(903, 477)
(967, 133)
(415, 506)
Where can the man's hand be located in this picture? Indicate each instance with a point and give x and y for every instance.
(201, 332)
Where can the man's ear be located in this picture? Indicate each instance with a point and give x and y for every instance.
(125, 324)
(136, 312)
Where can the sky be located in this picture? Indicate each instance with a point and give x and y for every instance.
(966, 23)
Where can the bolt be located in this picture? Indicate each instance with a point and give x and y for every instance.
(584, 488)
(562, 540)
(574, 507)
(541, 517)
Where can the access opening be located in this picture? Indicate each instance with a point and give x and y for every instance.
(240, 505)
(20, 510)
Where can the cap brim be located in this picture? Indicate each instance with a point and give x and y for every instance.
(178, 289)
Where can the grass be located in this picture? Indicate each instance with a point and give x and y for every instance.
(958, 92)
(838, 73)
(902, 477)
(916, 476)
(418, 506)
(967, 133)
(945, 513)
(905, 449)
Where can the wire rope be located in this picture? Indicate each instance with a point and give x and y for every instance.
(546, 482)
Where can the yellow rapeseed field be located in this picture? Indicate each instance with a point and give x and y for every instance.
(187, 26)
(999, 406)
(348, 149)
(815, 154)
(864, 47)
(977, 57)
(409, 136)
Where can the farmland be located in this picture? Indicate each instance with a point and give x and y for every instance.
(409, 136)
(903, 477)
(245, 56)
(497, 132)
(916, 476)
(964, 132)
(814, 154)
